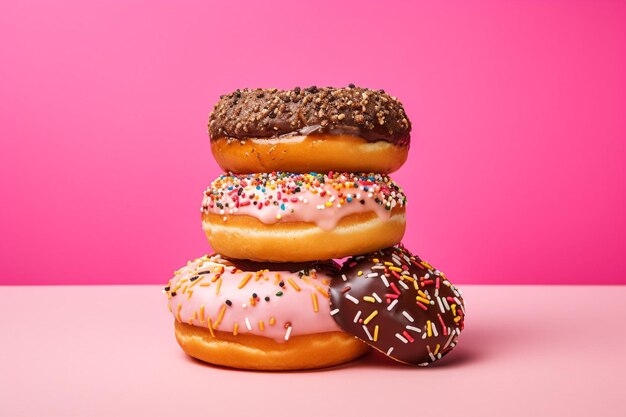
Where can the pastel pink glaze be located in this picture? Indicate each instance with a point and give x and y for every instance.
(325, 218)
(293, 307)
(307, 205)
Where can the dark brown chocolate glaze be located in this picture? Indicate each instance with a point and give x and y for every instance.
(383, 289)
(269, 113)
(329, 267)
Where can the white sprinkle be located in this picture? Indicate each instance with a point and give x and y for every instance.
(248, 324)
(458, 331)
(372, 275)
(369, 336)
(432, 357)
(389, 351)
(351, 298)
(288, 333)
(457, 301)
(356, 317)
(392, 305)
(377, 267)
(344, 277)
(424, 335)
(406, 287)
(434, 327)
(377, 297)
(449, 340)
(399, 336)
(408, 316)
(396, 260)
(440, 305)
(423, 364)
(335, 311)
(384, 278)
(415, 329)
(445, 303)
(438, 355)
(426, 276)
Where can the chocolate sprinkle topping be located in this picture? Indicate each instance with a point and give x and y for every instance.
(398, 304)
(268, 113)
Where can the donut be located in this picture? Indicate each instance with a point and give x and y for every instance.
(398, 304)
(314, 129)
(249, 315)
(288, 217)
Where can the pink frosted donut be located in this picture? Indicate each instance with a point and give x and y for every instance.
(288, 217)
(258, 316)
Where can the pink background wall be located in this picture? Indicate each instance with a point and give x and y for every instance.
(518, 110)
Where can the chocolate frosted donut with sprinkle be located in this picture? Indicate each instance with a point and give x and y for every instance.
(398, 304)
(313, 129)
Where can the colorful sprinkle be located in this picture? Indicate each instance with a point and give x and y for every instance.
(288, 333)
(315, 305)
(293, 284)
(370, 317)
(244, 281)
(230, 192)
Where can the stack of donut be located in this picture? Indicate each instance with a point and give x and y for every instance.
(306, 183)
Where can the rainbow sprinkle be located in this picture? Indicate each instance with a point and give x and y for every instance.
(283, 192)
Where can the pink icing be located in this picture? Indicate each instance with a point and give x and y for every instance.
(293, 308)
(322, 203)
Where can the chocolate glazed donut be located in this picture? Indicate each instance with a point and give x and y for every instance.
(399, 304)
(314, 129)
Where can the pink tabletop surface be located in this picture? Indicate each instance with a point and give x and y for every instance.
(533, 350)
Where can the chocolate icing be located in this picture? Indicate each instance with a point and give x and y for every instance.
(329, 266)
(392, 302)
(270, 113)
